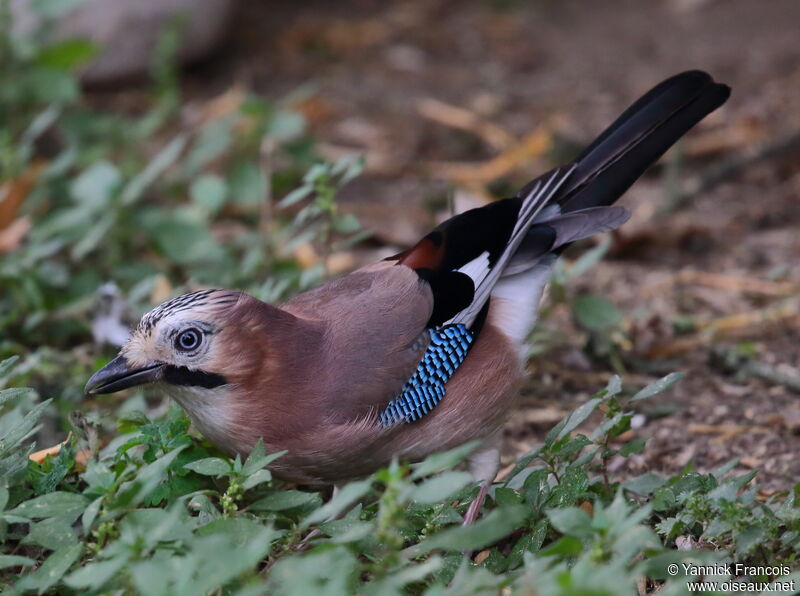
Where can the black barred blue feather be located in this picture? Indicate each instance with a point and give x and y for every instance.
(447, 350)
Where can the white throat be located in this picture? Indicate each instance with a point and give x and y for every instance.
(207, 410)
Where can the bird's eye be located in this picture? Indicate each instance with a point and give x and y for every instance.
(188, 340)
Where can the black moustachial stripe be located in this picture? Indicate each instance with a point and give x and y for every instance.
(180, 375)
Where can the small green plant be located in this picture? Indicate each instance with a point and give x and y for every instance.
(158, 511)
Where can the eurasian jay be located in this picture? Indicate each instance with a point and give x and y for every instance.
(416, 354)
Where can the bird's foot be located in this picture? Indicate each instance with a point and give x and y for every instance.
(472, 513)
(475, 508)
(305, 543)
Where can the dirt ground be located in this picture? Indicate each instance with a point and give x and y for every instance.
(483, 95)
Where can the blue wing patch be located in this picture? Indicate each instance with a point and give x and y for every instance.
(447, 350)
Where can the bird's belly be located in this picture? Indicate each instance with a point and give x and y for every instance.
(477, 402)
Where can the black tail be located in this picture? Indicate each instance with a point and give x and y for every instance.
(622, 153)
(479, 244)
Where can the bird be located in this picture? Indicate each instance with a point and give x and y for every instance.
(419, 353)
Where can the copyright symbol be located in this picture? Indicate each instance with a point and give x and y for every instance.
(672, 569)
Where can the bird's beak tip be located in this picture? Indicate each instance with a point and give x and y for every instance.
(118, 375)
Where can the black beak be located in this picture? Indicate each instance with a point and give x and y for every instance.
(117, 375)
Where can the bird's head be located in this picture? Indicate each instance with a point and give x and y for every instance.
(180, 343)
(217, 353)
(199, 348)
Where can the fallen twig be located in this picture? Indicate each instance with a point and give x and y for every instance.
(532, 146)
(724, 169)
(464, 119)
(738, 283)
(728, 325)
(764, 371)
(726, 431)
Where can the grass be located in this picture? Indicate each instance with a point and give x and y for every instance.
(134, 502)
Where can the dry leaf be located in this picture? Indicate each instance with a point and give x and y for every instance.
(531, 147)
(467, 120)
(162, 289)
(481, 556)
(43, 454)
(14, 192)
(12, 235)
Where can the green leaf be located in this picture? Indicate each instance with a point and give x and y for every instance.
(570, 489)
(536, 489)
(53, 534)
(572, 421)
(613, 387)
(52, 570)
(6, 366)
(57, 504)
(659, 386)
(572, 521)
(531, 542)
(7, 395)
(157, 166)
(346, 497)
(412, 574)
(183, 236)
(93, 237)
(567, 546)
(286, 125)
(95, 575)
(95, 185)
(439, 487)
(644, 484)
(507, 496)
(345, 531)
(443, 461)
(748, 538)
(147, 480)
(7, 561)
(209, 192)
(68, 54)
(210, 466)
(239, 531)
(596, 313)
(493, 527)
(635, 446)
(220, 557)
(258, 477)
(51, 85)
(285, 499)
(89, 514)
(215, 138)
(332, 572)
(248, 184)
(346, 224)
(572, 445)
(258, 458)
(589, 259)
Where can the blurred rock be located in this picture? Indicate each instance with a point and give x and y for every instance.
(127, 31)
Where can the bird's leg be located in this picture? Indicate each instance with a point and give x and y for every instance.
(483, 465)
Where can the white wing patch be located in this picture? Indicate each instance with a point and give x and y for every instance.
(486, 277)
(515, 300)
(477, 267)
